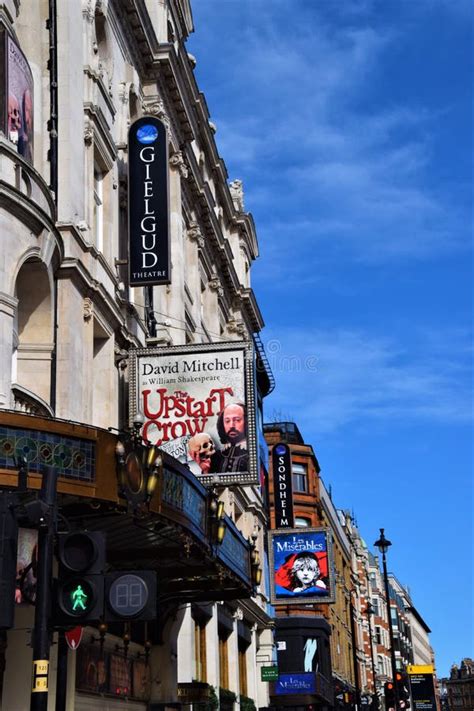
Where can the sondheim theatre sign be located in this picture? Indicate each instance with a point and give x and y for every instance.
(148, 222)
(282, 486)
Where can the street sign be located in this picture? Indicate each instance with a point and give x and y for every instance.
(269, 673)
(423, 692)
(74, 637)
(420, 669)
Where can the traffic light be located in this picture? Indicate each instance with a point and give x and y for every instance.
(80, 585)
(130, 595)
(403, 689)
(8, 551)
(389, 690)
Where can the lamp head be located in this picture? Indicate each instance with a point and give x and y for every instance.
(138, 420)
(383, 544)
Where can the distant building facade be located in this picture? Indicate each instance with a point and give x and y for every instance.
(457, 692)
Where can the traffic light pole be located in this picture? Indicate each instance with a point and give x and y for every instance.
(42, 629)
(61, 676)
(390, 631)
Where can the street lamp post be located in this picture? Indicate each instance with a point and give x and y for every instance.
(383, 545)
(375, 699)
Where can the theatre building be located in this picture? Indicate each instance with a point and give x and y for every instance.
(77, 79)
(314, 634)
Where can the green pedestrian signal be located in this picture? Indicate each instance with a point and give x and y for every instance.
(79, 598)
(80, 584)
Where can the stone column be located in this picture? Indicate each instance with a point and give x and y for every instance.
(8, 306)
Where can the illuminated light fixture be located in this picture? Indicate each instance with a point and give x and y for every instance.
(255, 560)
(217, 517)
(139, 466)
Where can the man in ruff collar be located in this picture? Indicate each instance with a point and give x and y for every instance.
(231, 428)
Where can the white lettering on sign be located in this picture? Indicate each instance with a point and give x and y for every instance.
(148, 223)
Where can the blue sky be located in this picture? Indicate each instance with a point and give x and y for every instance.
(350, 125)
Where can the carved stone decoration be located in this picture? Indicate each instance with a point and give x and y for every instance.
(121, 357)
(124, 92)
(237, 193)
(216, 285)
(237, 326)
(177, 161)
(88, 309)
(238, 614)
(88, 132)
(156, 107)
(101, 7)
(88, 10)
(194, 233)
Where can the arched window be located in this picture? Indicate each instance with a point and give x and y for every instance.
(33, 340)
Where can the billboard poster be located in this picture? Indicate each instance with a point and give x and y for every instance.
(295, 684)
(17, 97)
(26, 563)
(282, 486)
(148, 203)
(198, 402)
(301, 566)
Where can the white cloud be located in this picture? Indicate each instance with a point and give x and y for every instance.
(341, 377)
(297, 125)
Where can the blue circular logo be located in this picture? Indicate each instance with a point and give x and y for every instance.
(280, 449)
(147, 133)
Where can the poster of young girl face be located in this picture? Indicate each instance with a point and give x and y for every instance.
(301, 566)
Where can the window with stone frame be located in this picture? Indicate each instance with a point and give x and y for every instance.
(300, 476)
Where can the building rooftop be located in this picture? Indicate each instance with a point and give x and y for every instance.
(288, 430)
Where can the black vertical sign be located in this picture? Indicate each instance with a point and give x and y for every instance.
(148, 221)
(423, 692)
(282, 486)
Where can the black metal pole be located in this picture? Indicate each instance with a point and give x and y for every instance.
(390, 631)
(61, 677)
(375, 698)
(149, 312)
(42, 630)
(51, 25)
(354, 653)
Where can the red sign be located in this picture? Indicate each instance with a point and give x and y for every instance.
(73, 637)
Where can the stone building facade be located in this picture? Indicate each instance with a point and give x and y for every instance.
(459, 688)
(68, 317)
